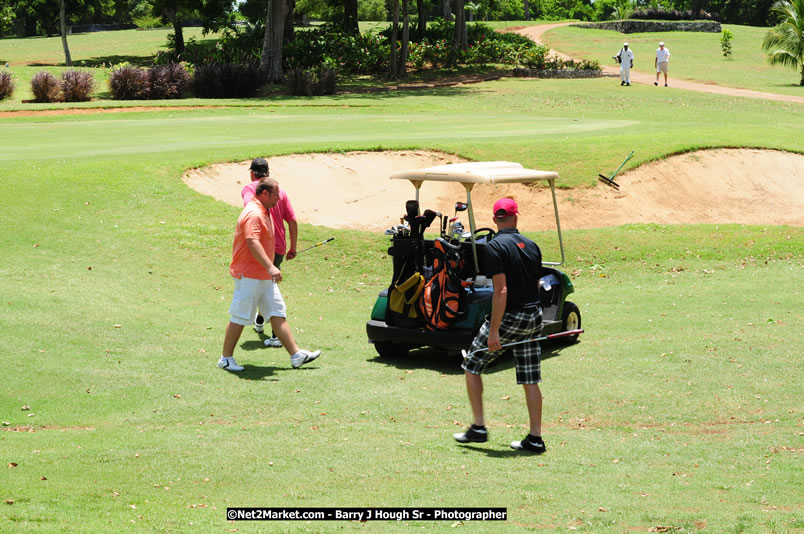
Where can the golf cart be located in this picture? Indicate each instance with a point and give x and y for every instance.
(403, 317)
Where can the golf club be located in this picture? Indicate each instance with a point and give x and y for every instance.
(316, 245)
(466, 354)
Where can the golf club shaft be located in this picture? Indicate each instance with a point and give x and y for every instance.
(532, 340)
(316, 245)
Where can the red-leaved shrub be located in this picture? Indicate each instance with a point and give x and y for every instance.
(168, 81)
(129, 83)
(6, 85)
(45, 87)
(77, 85)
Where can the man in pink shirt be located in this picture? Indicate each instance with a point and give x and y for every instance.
(281, 213)
(256, 278)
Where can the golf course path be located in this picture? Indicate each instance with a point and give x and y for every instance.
(535, 33)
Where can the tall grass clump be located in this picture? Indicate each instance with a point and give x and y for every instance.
(322, 80)
(129, 83)
(6, 85)
(168, 81)
(45, 87)
(227, 80)
(77, 86)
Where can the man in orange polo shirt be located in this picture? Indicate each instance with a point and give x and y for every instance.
(256, 278)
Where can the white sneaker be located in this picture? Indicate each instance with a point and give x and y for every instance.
(229, 364)
(303, 356)
(258, 327)
(273, 342)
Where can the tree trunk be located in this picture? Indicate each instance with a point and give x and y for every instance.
(802, 75)
(527, 10)
(63, 21)
(290, 32)
(446, 9)
(403, 54)
(695, 7)
(271, 58)
(421, 24)
(177, 33)
(350, 17)
(394, 74)
(460, 38)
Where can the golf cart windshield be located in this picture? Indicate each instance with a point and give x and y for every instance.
(483, 172)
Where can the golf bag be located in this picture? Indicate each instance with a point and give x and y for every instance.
(443, 298)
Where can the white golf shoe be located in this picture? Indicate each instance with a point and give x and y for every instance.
(303, 356)
(229, 364)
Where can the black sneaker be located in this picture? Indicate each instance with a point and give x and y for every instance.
(531, 444)
(474, 434)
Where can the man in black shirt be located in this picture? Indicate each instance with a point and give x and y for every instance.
(514, 264)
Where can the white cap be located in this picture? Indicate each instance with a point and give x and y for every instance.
(625, 44)
(661, 43)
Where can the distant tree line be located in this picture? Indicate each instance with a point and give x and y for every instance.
(41, 17)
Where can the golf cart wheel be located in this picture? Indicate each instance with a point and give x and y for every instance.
(570, 320)
(388, 349)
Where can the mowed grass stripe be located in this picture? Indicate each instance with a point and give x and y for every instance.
(83, 138)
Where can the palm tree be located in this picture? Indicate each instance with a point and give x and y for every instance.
(784, 43)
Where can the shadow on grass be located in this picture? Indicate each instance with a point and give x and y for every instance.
(497, 452)
(102, 61)
(257, 372)
(449, 364)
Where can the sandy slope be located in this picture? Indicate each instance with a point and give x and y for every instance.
(353, 191)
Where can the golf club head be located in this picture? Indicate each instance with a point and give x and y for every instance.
(460, 206)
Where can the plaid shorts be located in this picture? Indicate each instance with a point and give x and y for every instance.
(515, 326)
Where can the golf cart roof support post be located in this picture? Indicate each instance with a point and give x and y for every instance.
(418, 185)
(558, 226)
(471, 211)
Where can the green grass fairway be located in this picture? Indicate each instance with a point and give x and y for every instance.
(694, 56)
(680, 410)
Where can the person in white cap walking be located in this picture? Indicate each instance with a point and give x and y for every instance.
(625, 57)
(662, 59)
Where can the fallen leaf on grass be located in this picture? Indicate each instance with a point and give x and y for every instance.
(43, 477)
(12, 465)
(601, 509)
(507, 397)
(9, 501)
(177, 396)
(25, 408)
(661, 529)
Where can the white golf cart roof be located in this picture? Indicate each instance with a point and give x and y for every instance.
(476, 172)
(483, 172)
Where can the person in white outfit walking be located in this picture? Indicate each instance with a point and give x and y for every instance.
(625, 57)
(662, 59)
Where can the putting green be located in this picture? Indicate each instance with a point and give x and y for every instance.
(104, 135)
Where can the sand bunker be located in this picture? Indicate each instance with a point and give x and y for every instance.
(352, 190)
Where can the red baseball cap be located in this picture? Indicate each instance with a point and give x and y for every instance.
(505, 207)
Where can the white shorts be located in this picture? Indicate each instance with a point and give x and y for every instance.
(661, 67)
(250, 294)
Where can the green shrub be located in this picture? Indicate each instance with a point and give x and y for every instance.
(725, 43)
(127, 82)
(363, 54)
(6, 85)
(45, 87)
(534, 57)
(148, 22)
(77, 85)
